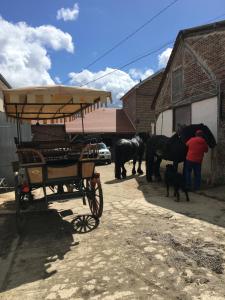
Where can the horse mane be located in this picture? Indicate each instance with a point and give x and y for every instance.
(189, 131)
(143, 136)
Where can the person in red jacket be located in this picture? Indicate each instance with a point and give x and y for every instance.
(197, 147)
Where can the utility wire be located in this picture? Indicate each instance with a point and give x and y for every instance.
(143, 56)
(128, 36)
(129, 63)
(132, 33)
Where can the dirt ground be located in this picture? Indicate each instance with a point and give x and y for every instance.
(146, 246)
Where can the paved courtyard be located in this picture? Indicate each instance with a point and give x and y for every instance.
(146, 246)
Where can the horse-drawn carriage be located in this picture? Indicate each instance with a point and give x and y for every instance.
(62, 169)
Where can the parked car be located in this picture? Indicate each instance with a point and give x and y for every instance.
(104, 154)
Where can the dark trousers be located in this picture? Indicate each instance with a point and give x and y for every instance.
(196, 167)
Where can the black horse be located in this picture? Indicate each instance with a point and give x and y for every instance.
(173, 149)
(126, 150)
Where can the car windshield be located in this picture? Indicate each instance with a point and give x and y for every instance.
(102, 146)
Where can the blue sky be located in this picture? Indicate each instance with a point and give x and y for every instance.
(46, 49)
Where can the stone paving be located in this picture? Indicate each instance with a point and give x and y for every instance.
(146, 246)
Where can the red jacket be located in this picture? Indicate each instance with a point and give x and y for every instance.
(197, 146)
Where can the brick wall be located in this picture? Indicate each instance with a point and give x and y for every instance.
(202, 58)
(129, 106)
(145, 95)
(203, 62)
(137, 103)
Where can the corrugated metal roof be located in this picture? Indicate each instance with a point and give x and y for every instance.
(105, 120)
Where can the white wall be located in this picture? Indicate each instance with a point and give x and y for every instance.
(164, 123)
(206, 112)
(1, 102)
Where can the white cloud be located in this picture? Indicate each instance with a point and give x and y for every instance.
(139, 74)
(58, 80)
(119, 82)
(164, 57)
(68, 14)
(24, 58)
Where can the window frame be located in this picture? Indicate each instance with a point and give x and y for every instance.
(178, 94)
(181, 106)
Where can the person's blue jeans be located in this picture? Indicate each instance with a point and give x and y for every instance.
(196, 167)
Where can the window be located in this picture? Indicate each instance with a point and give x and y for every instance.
(181, 116)
(177, 84)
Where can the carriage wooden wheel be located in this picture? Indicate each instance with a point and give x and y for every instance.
(94, 195)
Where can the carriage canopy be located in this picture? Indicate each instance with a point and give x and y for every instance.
(52, 102)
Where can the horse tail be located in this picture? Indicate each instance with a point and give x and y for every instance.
(149, 160)
(117, 162)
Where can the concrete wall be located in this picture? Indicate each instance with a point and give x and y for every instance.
(164, 123)
(206, 112)
(1, 102)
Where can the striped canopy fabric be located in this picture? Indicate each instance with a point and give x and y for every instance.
(52, 104)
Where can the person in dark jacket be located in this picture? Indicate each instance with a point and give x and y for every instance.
(197, 147)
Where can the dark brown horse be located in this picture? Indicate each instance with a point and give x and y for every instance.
(126, 150)
(173, 149)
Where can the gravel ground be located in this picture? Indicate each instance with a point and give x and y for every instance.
(146, 246)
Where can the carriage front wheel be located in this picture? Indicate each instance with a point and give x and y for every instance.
(94, 194)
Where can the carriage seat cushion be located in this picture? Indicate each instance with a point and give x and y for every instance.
(61, 163)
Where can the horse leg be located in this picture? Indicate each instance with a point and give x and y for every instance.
(184, 168)
(124, 172)
(134, 164)
(149, 163)
(117, 170)
(157, 169)
(178, 195)
(139, 170)
(175, 165)
(167, 190)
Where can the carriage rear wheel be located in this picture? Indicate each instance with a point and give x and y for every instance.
(94, 194)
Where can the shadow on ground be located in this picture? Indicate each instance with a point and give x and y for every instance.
(200, 207)
(120, 180)
(46, 238)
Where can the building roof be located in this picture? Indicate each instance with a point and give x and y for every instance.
(2, 79)
(104, 120)
(142, 82)
(181, 35)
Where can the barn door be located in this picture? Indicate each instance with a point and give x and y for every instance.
(181, 116)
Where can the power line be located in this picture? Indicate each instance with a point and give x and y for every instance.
(131, 34)
(128, 36)
(141, 57)
(129, 63)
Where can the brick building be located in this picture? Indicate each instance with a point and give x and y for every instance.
(192, 90)
(137, 103)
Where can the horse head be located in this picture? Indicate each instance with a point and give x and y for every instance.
(143, 136)
(189, 131)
